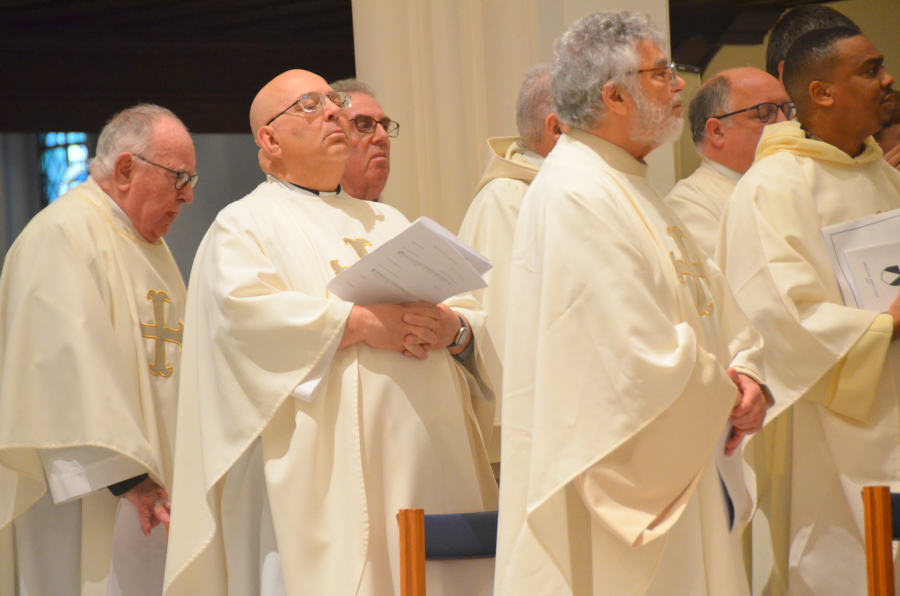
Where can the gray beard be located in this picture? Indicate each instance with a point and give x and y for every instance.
(654, 124)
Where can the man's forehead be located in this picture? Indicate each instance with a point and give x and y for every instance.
(651, 54)
(362, 103)
(858, 51)
(756, 88)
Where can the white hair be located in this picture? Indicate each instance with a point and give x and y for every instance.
(129, 131)
(353, 85)
(534, 104)
(596, 50)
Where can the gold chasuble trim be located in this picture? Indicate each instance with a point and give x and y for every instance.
(689, 265)
(359, 245)
(159, 332)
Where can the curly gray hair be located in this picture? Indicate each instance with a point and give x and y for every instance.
(597, 49)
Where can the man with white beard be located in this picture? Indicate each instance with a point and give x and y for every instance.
(631, 376)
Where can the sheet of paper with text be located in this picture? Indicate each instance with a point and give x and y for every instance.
(424, 262)
(865, 257)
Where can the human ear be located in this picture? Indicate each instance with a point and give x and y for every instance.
(123, 169)
(821, 93)
(613, 98)
(552, 126)
(715, 133)
(267, 141)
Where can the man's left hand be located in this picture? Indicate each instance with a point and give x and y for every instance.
(749, 412)
(441, 320)
(152, 503)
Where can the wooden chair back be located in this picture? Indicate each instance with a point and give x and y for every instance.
(879, 548)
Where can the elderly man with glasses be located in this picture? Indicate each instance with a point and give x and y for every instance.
(310, 421)
(91, 320)
(371, 132)
(727, 115)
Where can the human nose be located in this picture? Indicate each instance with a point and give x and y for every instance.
(331, 110)
(888, 80)
(186, 194)
(678, 84)
(780, 116)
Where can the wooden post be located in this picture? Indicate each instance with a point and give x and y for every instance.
(879, 552)
(412, 552)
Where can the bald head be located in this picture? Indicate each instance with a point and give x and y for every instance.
(732, 140)
(306, 148)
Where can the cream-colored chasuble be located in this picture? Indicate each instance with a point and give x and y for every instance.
(488, 227)
(380, 432)
(846, 430)
(616, 392)
(699, 200)
(90, 314)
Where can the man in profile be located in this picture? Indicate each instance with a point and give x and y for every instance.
(490, 222)
(371, 132)
(727, 115)
(91, 312)
(832, 364)
(310, 421)
(629, 376)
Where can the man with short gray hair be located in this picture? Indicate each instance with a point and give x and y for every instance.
(370, 131)
(727, 115)
(91, 311)
(490, 222)
(629, 375)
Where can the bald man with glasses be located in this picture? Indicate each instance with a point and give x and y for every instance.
(371, 132)
(727, 115)
(310, 421)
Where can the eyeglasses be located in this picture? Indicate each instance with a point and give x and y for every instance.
(312, 102)
(767, 112)
(181, 178)
(672, 69)
(367, 125)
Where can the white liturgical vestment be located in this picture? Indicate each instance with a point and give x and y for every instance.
(90, 341)
(617, 395)
(343, 438)
(699, 200)
(835, 364)
(488, 227)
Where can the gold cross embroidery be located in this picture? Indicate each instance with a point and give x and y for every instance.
(689, 266)
(159, 332)
(359, 245)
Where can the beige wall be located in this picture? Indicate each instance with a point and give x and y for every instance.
(876, 18)
(449, 72)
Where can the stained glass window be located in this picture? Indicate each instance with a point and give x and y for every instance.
(64, 162)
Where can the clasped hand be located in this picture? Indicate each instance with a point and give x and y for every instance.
(413, 328)
(749, 411)
(152, 503)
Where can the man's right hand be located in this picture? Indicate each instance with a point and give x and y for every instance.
(382, 326)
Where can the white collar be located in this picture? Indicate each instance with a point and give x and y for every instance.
(299, 190)
(723, 170)
(535, 159)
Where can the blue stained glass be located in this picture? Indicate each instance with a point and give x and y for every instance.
(64, 162)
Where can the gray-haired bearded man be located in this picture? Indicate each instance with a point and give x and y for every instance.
(629, 377)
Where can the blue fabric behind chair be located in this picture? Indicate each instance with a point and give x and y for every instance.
(895, 515)
(461, 535)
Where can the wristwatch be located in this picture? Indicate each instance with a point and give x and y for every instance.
(462, 335)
